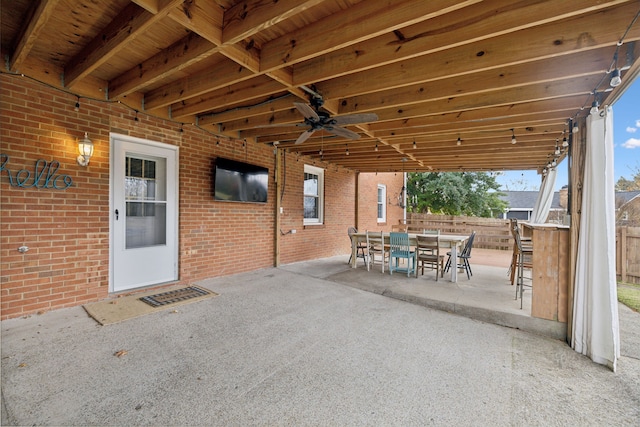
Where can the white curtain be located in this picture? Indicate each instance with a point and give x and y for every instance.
(595, 305)
(545, 197)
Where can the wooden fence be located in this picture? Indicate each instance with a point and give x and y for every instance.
(495, 234)
(628, 254)
(491, 233)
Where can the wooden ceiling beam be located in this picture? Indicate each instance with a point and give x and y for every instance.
(182, 54)
(246, 112)
(129, 24)
(219, 75)
(246, 18)
(469, 127)
(337, 30)
(541, 71)
(471, 24)
(546, 91)
(252, 89)
(39, 15)
(564, 106)
(546, 41)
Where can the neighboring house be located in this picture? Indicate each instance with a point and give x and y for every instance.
(520, 205)
(628, 208)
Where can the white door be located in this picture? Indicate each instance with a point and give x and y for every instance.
(144, 205)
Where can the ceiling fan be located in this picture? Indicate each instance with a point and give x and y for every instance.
(318, 119)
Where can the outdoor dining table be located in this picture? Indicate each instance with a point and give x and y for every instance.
(447, 241)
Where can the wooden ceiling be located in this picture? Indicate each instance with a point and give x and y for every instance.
(432, 71)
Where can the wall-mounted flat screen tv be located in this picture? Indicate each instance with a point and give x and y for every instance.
(235, 181)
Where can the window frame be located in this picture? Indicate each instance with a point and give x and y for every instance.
(383, 218)
(319, 172)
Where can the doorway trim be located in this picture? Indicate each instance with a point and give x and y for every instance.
(172, 227)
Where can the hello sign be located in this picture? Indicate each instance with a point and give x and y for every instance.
(44, 175)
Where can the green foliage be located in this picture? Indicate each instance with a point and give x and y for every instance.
(633, 184)
(454, 193)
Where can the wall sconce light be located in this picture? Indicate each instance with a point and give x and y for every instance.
(402, 197)
(85, 148)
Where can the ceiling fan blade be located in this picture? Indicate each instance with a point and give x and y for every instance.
(304, 136)
(307, 111)
(351, 119)
(345, 133)
(276, 125)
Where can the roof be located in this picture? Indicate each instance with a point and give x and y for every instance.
(433, 72)
(525, 200)
(627, 196)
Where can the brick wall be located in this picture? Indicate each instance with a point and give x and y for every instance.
(67, 231)
(368, 201)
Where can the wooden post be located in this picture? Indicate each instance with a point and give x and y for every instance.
(276, 240)
(623, 254)
(578, 150)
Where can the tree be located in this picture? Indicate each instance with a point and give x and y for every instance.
(454, 193)
(624, 184)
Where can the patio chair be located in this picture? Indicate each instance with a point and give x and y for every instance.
(399, 248)
(376, 247)
(428, 252)
(360, 249)
(526, 242)
(524, 260)
(463, 258)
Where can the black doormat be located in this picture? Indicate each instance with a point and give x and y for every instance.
(171, 297)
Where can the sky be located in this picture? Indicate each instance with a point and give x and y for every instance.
(626, 141)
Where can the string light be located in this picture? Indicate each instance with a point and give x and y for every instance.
(376, 149)
(414, 144)
(615, 78)
(513, 137)
(77, 107)
(459, 141)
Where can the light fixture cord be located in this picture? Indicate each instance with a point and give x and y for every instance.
(615, 59)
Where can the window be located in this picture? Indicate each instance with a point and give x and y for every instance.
(382, 206)
(313, 195)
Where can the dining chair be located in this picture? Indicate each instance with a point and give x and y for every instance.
(428, 252)
(430, 232)
(525, 260)
(463, 257)
(376, 247)
(360, 249)
(399, 248)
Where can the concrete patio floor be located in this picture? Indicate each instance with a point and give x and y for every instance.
(296, 346)
(488, 296)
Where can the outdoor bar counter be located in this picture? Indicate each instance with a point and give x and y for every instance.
(550, 270)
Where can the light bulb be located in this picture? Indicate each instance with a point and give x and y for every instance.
(594, 107)
(615, 78)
